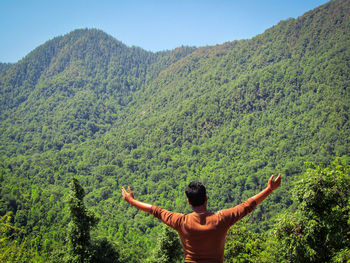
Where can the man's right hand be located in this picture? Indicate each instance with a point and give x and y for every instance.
(271, 186)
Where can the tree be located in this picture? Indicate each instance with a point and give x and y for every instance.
(82, 221)
(104, 251)
(319, 228)
(81, 248)
(10, 249)
(243, 245)
(169, 249)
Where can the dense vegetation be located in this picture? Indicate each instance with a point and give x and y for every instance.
(85, 106)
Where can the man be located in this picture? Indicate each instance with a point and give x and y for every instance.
(202, 233)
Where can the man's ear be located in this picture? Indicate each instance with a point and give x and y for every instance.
(189, 201)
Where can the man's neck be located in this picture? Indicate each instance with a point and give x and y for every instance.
(200, 209)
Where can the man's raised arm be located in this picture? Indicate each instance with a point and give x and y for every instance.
(271, 186)
(129, 197)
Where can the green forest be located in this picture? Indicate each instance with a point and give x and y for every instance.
(83, 115)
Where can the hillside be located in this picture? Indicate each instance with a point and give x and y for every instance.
(85, 105)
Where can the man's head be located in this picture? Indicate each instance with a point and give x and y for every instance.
(196, 193)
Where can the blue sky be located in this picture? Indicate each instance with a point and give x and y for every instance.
(152, 25)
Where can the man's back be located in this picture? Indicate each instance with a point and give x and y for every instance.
(203, 235)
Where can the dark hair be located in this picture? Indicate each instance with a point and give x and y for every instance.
(196, 193)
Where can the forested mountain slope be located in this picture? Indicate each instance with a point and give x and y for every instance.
(4, 67)
(85, 105)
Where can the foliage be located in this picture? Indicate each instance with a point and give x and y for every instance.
(243, 245)
(103, 251)
(10, 249)
(86, 106)
(82, 221)
(4, 66)
(81, 247)
(169, 249)
(319, 229)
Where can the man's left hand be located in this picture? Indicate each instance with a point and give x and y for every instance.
(127, 196)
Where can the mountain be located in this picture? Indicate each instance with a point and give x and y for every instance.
(4, 66)
(86, 74)
(85, 105)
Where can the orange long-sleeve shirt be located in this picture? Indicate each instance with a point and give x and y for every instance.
(203, 235)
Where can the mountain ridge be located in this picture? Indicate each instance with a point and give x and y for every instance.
(86, 106)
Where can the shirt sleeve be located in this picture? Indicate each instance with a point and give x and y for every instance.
(232, 215)
(171, 219)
